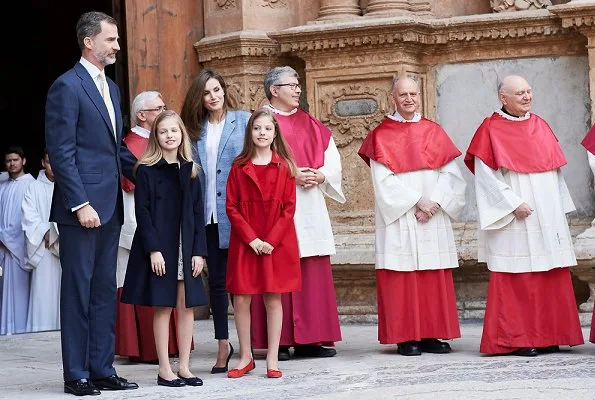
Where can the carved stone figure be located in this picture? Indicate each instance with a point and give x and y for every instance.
(518, 5)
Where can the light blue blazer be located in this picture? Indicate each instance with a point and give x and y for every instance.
(230, 145)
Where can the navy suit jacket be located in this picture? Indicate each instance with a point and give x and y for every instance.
(86, 157)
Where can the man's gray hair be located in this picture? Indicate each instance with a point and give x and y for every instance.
(273, 77)
(140, 103)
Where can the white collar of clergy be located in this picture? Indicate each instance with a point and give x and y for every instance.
(513, 118)
(281, 112)
(140, 131)
(399, 118)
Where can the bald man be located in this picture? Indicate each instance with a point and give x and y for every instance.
(522, 201)
(418, 189)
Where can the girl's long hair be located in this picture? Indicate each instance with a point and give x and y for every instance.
(153, 153)
(194, 111)
(279, 145)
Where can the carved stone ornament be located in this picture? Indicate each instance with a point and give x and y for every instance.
(225, 4)
(518, 5)
(349, 128)
(274, 3)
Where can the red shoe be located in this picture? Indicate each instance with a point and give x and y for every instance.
(238, 373)
(274, 373)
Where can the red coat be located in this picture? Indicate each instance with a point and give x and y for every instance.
(262, 209)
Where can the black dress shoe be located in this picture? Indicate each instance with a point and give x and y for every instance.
(173, 383)
(309, 350)
(525, 352)
(192, 381)
(114, 382)
(410, 348)
(81, 387)
(283, 353)
(220, 370)
(434, 346)
(548, 349)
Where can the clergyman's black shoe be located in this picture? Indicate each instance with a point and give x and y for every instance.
(410, 348)
(434, 346)
(283, 353)
(548, 349)
(525, 352)
(114, 382)
(81, 387)
(310, 350)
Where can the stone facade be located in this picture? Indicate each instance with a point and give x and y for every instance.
(347, 53)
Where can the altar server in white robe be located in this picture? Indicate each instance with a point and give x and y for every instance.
(42, 252)
(522, 201)
(418, 189)
(15, 273)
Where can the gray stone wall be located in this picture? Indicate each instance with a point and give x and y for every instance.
(466, 94)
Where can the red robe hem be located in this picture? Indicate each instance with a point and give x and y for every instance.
(532, 309)
(309, 316)
(416, 305)
(134, 333)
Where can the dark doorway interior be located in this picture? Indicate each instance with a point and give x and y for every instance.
(53, 50)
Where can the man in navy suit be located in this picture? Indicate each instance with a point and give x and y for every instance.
(83, 128)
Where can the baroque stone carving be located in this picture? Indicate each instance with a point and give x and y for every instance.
(347, 129)
(274, 3)
(518, 5)
(225, 4)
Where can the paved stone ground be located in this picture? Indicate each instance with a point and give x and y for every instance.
(30, 368)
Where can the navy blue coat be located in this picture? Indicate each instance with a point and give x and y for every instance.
(166, 197)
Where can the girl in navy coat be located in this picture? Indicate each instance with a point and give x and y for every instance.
(169, 245)
(263, 248)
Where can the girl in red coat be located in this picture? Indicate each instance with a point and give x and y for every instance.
(263, 249)
(169, 245)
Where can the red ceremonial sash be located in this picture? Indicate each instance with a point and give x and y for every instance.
(137, 145)
(408, 146)
(526, 146)
(589, 142)
(306, 136)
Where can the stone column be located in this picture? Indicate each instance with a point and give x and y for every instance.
(379, 8)
(339, 9)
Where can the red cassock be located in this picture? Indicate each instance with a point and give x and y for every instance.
(413, 305)
(310, 316)
(134, 324)
(530, 309)
(260, 204)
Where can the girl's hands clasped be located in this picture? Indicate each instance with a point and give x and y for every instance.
(261, 247)
(157, 263)
(198, 264)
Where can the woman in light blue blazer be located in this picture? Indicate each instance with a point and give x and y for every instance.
(217, 132)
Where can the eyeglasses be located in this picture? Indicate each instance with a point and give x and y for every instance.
(292, 86)
(160, 108)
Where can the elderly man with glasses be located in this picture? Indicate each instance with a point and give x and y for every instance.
(310, 317)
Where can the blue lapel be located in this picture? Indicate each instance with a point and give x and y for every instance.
(228, 128)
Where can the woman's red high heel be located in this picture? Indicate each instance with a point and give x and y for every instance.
(238, 373)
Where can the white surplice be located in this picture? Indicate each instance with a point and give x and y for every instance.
(402, 242)
(16, 276)
(44, 299)
(538, 243)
